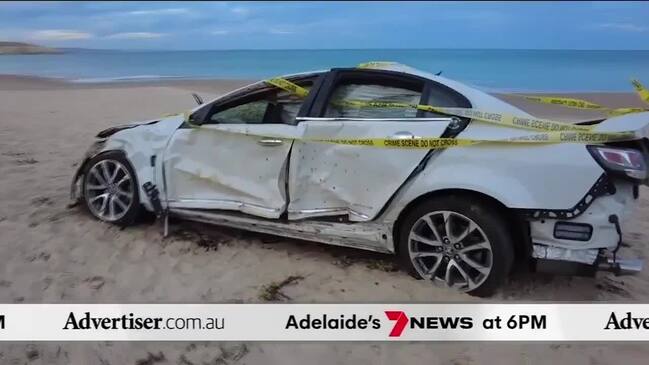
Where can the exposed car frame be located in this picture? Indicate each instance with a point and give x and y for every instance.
(540, 196)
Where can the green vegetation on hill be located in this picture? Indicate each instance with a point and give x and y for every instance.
(24, 48)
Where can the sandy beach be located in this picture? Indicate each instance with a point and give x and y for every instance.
(50, 253)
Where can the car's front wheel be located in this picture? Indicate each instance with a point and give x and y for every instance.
(458, 241)
(110, 189)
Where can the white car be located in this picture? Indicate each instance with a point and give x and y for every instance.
(460, 216)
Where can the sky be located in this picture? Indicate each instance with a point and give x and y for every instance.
(327, 25)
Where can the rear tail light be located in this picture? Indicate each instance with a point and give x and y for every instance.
(622, 161)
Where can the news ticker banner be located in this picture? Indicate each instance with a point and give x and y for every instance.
(324, 322)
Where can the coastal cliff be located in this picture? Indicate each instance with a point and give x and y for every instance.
(25, 48)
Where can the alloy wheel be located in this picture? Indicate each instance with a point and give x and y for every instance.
(109, 190)
(450, 248)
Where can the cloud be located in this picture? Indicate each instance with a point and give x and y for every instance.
(253, 29)
(475, 14)
(168, 11)
(279, 31)
(240, 10)
(59, 35)
(135, 35)
(626, 27)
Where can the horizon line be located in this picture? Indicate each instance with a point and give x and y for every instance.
(347, 49)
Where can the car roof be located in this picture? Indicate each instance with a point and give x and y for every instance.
(479, 99)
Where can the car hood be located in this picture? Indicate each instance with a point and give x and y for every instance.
(174, 120)
(114, 129)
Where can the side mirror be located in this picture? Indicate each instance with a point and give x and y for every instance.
(197, 99)
(194, 119)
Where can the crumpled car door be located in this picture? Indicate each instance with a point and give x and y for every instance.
(334, 179)
(211, 167)
(237, 158)
(358, 181)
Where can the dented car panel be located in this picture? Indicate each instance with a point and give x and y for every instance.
(330, 179)
(511, 175)
(140, 144)
(606, 233)
(222, 167)
(373, 236)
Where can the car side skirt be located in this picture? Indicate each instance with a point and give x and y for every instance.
(367, 235)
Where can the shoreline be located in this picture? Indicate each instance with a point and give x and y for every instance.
(23, 82)
(211, 88)
(208, 87)
(146, 80)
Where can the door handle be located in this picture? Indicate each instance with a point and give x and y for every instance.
(269, 142)
(402, 135)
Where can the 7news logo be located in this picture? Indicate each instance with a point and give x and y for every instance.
(402, 320)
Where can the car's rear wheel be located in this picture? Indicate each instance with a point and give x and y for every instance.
(457, 241)
(110, 189)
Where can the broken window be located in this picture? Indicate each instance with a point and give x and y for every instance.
(341, 103)
(274, 106)
(260, 103)
(363, 94)
(249, 113)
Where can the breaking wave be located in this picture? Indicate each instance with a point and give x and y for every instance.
(125, 78)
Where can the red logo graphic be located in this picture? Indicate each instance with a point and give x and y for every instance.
(401, 321)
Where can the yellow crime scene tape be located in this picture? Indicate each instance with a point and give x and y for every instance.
(569, 102)
(553, 131)
(579, 104)
(375, 64)
(641, 90)
(543, 125)
(555, 100)
(288, 86)
(439, 142)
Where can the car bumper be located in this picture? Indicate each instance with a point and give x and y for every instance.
(606, 216)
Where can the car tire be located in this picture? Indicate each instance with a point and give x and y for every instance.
(485, 254)
(110, 189)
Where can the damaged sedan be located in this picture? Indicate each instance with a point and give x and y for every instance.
(265, 158)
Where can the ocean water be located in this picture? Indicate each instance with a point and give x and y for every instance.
(507, 70)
